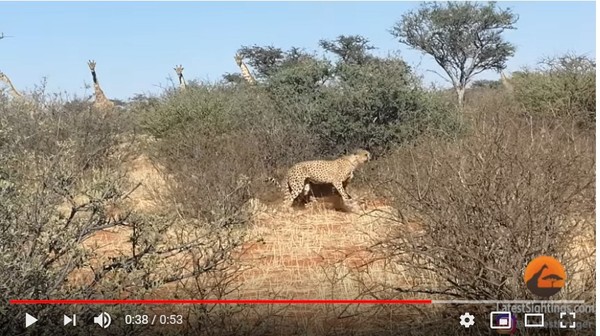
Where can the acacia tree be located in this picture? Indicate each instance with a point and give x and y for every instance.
(267, 60)
(352, 49)
(264, 60)
(464, 38)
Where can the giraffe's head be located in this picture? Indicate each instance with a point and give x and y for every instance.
(238, 59)
(179, 70)
(92, 65)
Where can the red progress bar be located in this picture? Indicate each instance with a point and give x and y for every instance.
(155, 302)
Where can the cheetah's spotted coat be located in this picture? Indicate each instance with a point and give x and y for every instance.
(337, 172)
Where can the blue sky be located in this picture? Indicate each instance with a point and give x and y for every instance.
(137, 44)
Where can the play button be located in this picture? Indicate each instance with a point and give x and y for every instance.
(29, 320)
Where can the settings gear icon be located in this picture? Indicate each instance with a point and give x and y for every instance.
(467, 320)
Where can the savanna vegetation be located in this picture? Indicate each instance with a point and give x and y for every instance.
(486, 179)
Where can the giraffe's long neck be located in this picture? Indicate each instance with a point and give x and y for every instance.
(246, 73)
(97, 90)
(182, 84)
(505, 82)
(99, 93)
(15, 93)
(100, 97)
(94, 77)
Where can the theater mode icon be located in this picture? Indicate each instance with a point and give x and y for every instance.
(534, 320)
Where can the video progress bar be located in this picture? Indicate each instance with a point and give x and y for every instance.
(318, 302)
(507, 302)
(161, 302)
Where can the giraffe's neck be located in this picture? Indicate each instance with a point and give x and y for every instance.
(99, 93)
(100, 98)
(13, 90)
(505, 81)
(246, 73)
(94, 77)
(182, 84)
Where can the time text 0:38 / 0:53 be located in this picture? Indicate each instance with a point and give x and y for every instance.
(153, 319)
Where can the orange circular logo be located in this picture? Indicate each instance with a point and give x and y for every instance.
(545, 276)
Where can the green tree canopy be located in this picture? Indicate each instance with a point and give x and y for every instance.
(268, 60)
(264, 60)
(352, 49)
(486, 83)
(464, 38)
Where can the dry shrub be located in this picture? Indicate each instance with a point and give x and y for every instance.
(61, 175)
(59, 172)
(210, 176)
(217, 145)
(485, 205)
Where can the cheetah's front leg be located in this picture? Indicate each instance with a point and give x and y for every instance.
(339, 186)
(344, 185)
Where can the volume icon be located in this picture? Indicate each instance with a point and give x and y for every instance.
(69, 320)
(103, 320)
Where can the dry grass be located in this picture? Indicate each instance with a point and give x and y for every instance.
(292, 253)
(317, 252)
(289, 253)
(324, 250)
(148, 175)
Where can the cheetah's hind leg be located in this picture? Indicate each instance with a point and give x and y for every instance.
(308, 194)
(294, 190)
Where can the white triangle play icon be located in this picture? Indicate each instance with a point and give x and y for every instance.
(29, 320)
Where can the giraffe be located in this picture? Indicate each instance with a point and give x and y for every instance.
(239, 59)
(532, 283)
(506, 82)
(179, 70)
(17, 97)
(13, 91)
(101, 102)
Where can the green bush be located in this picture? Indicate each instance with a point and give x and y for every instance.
(355, 100)
(211, 136)
(378, 105)
(196, 107)
(560, 86)
(373, 105)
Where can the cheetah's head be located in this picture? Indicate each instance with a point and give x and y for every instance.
(361, 156)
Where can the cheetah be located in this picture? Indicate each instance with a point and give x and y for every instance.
(306, 192)
(337, 172)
